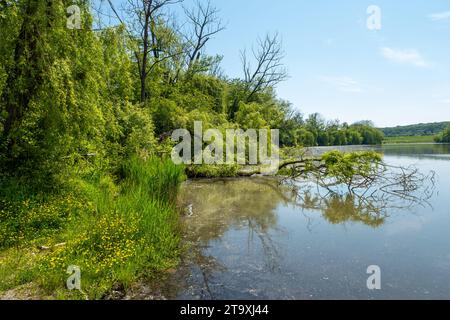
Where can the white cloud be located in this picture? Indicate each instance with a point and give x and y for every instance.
(407, 56)
(342, 83)
(439, 16)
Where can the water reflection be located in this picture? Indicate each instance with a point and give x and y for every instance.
(246, 210)
(254, 238)
(338, 209)
(218, 205)
(251, 203)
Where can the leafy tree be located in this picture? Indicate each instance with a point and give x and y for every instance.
(50, 101)
(444, 137)
(370, 135)
(305, 138)
(353, 137)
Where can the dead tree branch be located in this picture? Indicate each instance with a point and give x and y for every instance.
(269, 70)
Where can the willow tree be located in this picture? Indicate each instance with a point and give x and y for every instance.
(50, 101)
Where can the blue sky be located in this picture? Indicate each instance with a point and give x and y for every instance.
(341, 69)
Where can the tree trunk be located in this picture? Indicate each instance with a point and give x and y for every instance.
(144, 59)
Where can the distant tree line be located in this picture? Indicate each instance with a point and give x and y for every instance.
(422, 129)
(315, 131)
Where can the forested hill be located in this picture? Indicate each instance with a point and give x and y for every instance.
(421, 129)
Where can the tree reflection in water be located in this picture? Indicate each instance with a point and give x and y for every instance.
(218, 206)
(252, 204)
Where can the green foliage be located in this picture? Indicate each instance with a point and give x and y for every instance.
(314, 131)
(27, 215)
(444, 137)
(118, 68)
(347, 167)
(212, 171)
(159, 179)
(248, 116)
(51, 93)
(79, 96)
(370, 135)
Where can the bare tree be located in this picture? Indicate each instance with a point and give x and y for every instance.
(205, 24)
(148, 16)
(269, 69)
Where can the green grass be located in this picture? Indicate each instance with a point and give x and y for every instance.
(409, 139)
(116, 232)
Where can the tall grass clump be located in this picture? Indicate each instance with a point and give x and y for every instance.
(157, 178)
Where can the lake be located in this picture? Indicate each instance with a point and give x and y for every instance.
(254, 239)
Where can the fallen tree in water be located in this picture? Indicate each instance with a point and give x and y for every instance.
(357, 186)
(362, 184)
(364, 176)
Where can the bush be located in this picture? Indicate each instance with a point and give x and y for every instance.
(444, 137)
(212, 171)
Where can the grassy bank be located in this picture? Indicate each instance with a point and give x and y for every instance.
(115, 229)
(409, 139)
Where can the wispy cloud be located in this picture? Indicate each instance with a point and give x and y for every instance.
(439, 16)
(407, 56)
(342, 83)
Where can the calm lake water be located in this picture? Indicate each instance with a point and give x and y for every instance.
(251, 239)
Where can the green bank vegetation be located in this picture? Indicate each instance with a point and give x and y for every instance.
(443, 137)
(418, 133)
(409, 139)
(85, 117)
